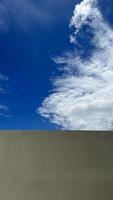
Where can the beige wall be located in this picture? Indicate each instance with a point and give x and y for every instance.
(56, 166)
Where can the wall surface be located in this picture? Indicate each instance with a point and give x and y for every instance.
(56, 165)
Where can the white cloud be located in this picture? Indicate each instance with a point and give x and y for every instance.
(22, 13)
(3, 21)
(28, 14)
(3, 78)
(84, 101)
(4, 110)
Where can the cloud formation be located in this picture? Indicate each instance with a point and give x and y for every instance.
(27, 14)
(83, 96)
(4, 110)
(3, 23)
(22, 14)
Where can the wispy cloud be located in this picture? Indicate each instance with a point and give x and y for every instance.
(4, 110)
(27, 14)
(3, 78)
(83, 96)
(21, 13)
(3, 20)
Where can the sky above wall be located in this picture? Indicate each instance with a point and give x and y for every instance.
(56, 64)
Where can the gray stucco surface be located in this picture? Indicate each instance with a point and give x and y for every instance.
(56, 166)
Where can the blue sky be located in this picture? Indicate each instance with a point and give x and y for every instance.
(33, 32)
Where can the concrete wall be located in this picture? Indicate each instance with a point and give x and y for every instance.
(56, 166)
